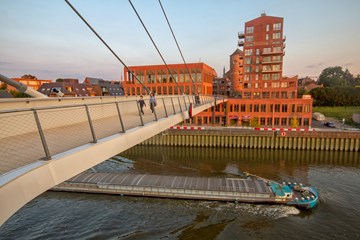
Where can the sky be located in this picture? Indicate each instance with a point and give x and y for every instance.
(47, 39)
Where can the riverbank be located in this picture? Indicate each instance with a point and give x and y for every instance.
(248, 138)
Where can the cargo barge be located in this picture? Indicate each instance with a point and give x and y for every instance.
(250, 190)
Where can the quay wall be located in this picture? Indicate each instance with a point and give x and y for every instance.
(234, 138)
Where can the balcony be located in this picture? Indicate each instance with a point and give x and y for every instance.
(284, 39)
(241, 43)
(271, 62)
(271, 70)
(272, 53)
(241, 35)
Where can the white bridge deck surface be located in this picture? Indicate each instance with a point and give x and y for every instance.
(211, 188)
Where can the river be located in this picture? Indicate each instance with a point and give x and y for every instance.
(60, 215)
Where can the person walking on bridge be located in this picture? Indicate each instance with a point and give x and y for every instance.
(152, 102)
(141, 103)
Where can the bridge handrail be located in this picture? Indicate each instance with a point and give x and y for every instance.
(103, 103)
(76, 125)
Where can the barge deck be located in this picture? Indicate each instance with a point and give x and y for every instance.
(185, 187)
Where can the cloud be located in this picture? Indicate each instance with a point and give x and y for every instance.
(314, 65)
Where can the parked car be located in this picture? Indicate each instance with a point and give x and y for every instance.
(329, 124)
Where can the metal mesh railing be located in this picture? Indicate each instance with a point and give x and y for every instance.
(37, 134)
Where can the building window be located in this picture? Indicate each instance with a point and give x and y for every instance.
(267, 27)
(307, 108)
(284, 108)
(292, 107)
(249, 38)
(306, 122)
(256, 108)
(269, 121)
(276, 76)
(276, 121)
(275, 84)
(236, 108)
(247, 94)
(283, 94)
(248, 69)
(299, 108)
(256, 85)
(267, 36)
(248, 52)
(242, 108)
(266, 68)
(277, 26)
(266, 95)
(266, 77)
(276, 67)
(263, 108)
(249, 30)
(276, 35)
(277, 49)
(276, 58)
(250, 108)
(277, 107)
(248, 60)
(262, 121)
(284, 84)
(283, 121)
(257, 51)
(256, 95)
(267, 50)
(257, 77)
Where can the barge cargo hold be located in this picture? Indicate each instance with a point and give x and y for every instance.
(250, 190)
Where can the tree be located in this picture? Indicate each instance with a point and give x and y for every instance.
(17, 94)
(294, 122)
(29, 76)
(3, 86)
(254, 122)
(336, 77)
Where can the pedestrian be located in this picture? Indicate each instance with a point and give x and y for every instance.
(141, 103)
(152, 102)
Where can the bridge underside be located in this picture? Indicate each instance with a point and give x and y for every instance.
(21, 185)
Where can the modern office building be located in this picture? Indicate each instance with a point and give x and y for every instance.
(159, 79)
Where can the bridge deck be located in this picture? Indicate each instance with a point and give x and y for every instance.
(209, 188)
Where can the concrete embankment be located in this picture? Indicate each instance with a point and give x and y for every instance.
(245, 138)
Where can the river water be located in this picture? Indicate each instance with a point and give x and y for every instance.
(60, 215)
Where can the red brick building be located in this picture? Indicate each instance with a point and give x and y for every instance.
(260, 90)
(158, 79)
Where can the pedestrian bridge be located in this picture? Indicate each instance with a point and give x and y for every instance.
(47, 141)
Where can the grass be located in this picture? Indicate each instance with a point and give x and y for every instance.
(340, 113)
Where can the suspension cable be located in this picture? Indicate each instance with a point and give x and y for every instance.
(142, 23)
(102, 40)
(177, 44)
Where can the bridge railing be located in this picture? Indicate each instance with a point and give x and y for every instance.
(28, 135)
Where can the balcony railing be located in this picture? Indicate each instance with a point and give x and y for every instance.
(241, 35)
(241, 43)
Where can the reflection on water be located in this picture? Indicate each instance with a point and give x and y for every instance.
(269, 163)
